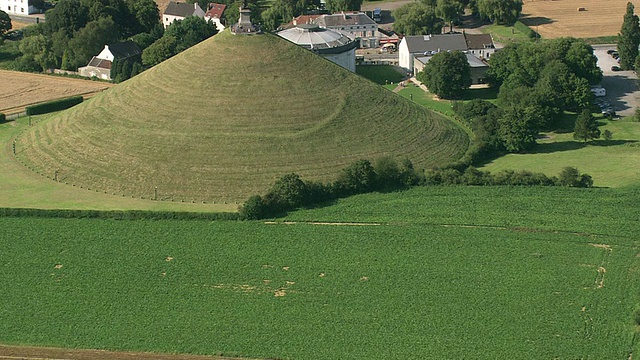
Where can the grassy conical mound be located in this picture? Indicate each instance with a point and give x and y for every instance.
(224, 119)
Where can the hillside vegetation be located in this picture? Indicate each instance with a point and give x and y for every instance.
(430, 273)
(224, 119)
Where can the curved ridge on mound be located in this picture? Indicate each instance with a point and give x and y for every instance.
(224, 119)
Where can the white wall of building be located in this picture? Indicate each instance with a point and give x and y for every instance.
(405, 59)
(18, 7)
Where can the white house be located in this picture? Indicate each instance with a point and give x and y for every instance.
(100, 65)
(179, 11)
(214, 14)
(17, 7)
(480, 45)
(424, 45)
(359, 25)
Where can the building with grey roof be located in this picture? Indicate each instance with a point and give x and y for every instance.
(423, 45)
(179, 11)
(335, 46)
(100, 65)
(480, 45)
(358, 25)
(478, 67)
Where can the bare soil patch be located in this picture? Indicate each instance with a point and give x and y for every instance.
(46, 353)
(558, 18)
(23, 89)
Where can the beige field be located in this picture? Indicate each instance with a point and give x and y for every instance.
(558, 18)
(20, 89)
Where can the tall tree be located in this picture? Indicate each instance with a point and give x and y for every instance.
(5, 23)
(504, 12)
(343, 5)
(90, 40)
(449, 10)
(447, 74)
(417, 18)
(629, 39)
(38, 48)
(586, 127)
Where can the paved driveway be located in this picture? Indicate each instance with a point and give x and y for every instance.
(621, 86)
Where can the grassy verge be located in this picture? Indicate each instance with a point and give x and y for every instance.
(602, 40)
(612, 163)
(506, 34)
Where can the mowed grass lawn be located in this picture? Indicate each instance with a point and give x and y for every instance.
(614, 163)
(21, 187)
(459, 272)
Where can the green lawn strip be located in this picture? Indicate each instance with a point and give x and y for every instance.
(612, 163)
(23, 188)
(602, 40)
(505, 34)
(400, 291)
(380, 74)
(425, 99)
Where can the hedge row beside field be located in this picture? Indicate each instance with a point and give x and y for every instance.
(116, 214)
(520, 26)
(55, 105)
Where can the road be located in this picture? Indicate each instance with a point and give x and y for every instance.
(621, 86)
(27, 19)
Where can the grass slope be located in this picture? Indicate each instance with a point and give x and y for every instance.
(224, 119)
(453, 273)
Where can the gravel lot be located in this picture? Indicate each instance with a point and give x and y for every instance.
(621, 86)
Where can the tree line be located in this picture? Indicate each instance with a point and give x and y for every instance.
(385, 174)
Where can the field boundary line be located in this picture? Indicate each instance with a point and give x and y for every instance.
(325, 223)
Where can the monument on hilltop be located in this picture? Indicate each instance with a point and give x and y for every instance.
(244, 25)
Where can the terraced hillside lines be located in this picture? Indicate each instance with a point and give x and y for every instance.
(553, 19)
(22, 89)
(226, 118)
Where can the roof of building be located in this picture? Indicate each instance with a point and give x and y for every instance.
(124, 49)
(479, 41)
(302, 19)
(215, 10)
(182, 9)
(99, 63)
(431, 43)
(344, 19)
(473, 61)
(318, 39)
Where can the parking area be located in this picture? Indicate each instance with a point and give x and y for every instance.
(621, 86)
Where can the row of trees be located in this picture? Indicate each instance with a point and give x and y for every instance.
(291, 192)
(429, 16)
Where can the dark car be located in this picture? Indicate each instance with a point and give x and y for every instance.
(610, 51)
(616, 68)
(615, 55)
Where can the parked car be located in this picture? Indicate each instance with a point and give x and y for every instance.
(610, 51)
(608, 112)
(615, 55)
(616, 68)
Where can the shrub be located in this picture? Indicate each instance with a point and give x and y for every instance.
(55, 105)
(254, 208)
(357, 178)
(608, 135)
(3, 118)
(520, 26)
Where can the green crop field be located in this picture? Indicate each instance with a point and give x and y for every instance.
(224, 119)
(614, 163)
(443, 272)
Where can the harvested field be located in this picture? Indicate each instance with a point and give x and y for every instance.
(46, 353)
(23, 89)
(553, 19)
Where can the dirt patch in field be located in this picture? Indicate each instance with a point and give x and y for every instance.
(320, 223)
(45, 353)
(602, 246)
(23, 89)
(558, 18)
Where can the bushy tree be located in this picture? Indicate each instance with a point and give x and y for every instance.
(5, 23)
(159, 51)
(417, 18)
(358, 177)
(38, 48)
(67, 15)
(446, 74)
(88, 41)
(254, 208)
(629, 38)
(146, 14)
(449, 10)
(504, 12)
(586, 127)
(190, 31)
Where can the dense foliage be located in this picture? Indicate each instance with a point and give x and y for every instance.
(504, 12)
(586, 127)
(335, 6)
(629, 39)
(446, 74)
(54, 105)
(5, 23)
(417, 18)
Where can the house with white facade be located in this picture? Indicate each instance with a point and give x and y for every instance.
(100, 65)
(214, 14)
(17, 7)
(179, 11)
(480, 45)
(359, 25)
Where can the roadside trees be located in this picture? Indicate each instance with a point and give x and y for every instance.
(446, 74)
(629, 39)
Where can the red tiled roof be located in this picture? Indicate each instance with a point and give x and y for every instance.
(215, 10)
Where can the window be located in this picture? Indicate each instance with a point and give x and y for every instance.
(22, 10)
(9, 7)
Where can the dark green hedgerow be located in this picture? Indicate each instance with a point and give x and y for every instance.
(55, 105)
(116, 214)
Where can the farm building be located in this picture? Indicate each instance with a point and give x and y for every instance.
(214, 14)
(13, 7)
(100, 65)
(179, 11)
(411, 47)
(478, 67)
(359, 25)
(335, 46)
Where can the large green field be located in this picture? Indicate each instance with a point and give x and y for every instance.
(442, 272)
